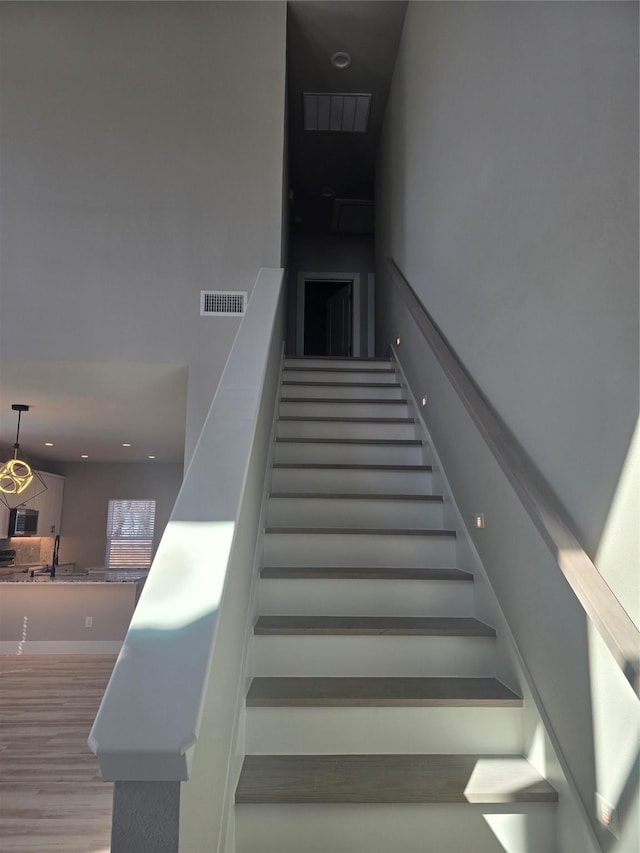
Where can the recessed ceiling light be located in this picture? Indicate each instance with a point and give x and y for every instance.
(84, 456)
(48, 444)
(341, 59)
(151, 457)
(125, 444)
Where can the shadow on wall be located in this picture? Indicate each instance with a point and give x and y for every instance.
(591, 707)
(618, 552)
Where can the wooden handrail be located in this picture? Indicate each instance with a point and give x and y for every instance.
(598, 600)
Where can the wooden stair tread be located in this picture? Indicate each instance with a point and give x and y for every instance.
(342, 384)
(354, 358)
(364, 573)
(344, 420)
(380, 692)
(357, 496)
(333, 369)
(419, 626)
(391, 779)
(406, 442)
(361, 531)
(346, 400)
(347, 466)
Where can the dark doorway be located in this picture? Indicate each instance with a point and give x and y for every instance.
(328, 318)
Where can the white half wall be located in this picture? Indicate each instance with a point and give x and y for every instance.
(49, 617)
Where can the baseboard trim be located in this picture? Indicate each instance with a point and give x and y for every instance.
(60, 647)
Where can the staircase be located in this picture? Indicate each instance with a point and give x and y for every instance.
(374, 722)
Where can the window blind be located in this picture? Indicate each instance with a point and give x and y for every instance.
(130, 534)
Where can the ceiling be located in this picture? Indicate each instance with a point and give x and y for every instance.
(93, 408)
(340, 163)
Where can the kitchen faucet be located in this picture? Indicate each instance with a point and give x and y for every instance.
(54, 558)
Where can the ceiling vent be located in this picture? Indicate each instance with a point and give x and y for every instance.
(215, 303)
(335, 112)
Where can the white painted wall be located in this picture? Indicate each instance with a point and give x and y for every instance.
(233, 468)
(508, 196)
(142, 161)
(508, 182)
(89, 488)
(549, 627)
(49, 617)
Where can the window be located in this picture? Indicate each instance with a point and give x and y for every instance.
(130, 534)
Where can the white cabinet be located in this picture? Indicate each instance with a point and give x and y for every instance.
(49, 505)
(48, 502)
(4, 521)
(27, 497)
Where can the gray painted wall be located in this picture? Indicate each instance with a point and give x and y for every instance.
(87, 492)
(508, 196)
(142, 161)
(53, 612)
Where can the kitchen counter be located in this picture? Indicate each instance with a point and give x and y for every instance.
(22, 571)
(39, 579)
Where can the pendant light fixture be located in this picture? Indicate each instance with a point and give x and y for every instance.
(18, 481)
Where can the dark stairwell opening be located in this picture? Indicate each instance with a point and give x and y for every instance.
(340, 60)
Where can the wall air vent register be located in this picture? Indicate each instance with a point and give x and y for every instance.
(215, 303)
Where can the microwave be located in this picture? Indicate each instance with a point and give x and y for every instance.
(23, 522)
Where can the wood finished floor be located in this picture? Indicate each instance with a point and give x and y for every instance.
(52, 797)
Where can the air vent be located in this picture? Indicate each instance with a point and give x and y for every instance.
(215, 303)
(336, 112)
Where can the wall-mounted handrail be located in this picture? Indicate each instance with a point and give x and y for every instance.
(598, 600)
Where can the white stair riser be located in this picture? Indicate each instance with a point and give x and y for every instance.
(335, 549)
(345, 409)
(346, 429)
(365, 391)
(354, 454)
(386, 655)
(340, 376)
(337, 512)
(351, 730)
(348, 481)
(349, 597)
(331, 730)
(396, 828)
(349, 363)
